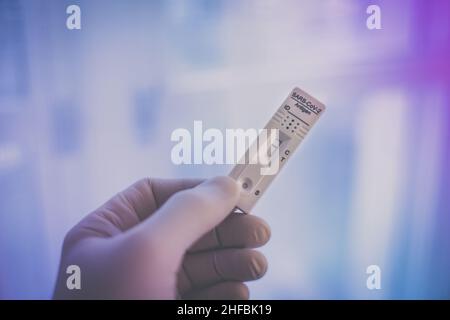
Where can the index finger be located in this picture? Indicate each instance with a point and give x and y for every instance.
(236, 231)
(149, 194)
(128, 208)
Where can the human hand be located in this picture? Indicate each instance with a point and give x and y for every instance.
(165, 239)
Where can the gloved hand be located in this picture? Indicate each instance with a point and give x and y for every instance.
(165, 239)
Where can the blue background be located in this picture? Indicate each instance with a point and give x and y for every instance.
(85, 113)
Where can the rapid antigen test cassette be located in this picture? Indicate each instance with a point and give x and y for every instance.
(283, 134)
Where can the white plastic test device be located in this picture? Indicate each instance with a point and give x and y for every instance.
(292, 121)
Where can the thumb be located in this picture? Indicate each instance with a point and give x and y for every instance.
(191, 213)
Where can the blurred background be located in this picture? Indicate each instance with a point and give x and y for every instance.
(85, 113)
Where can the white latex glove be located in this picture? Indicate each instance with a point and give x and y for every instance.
(165, 239)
